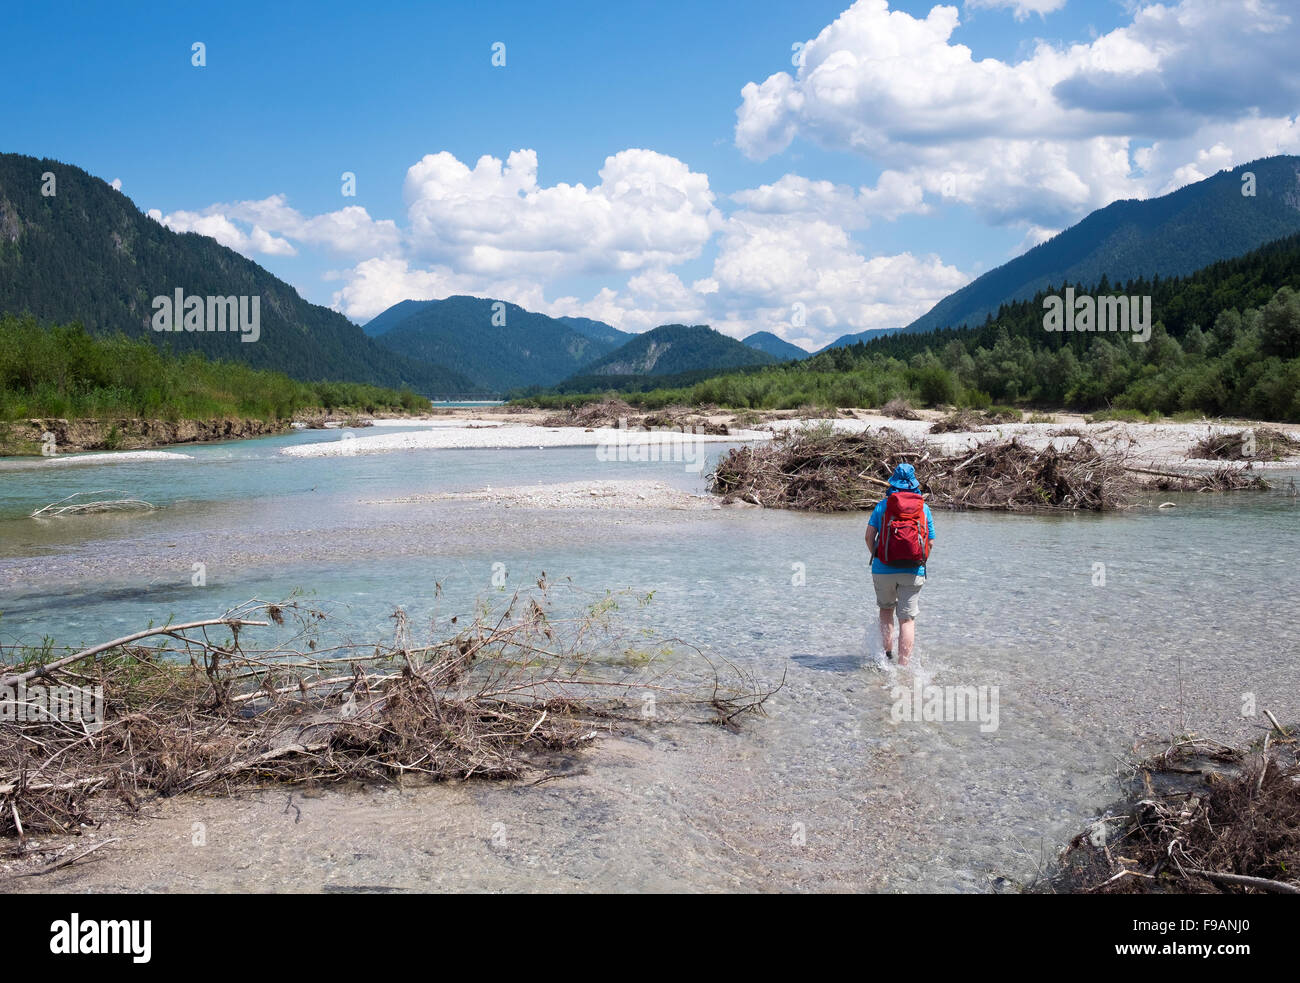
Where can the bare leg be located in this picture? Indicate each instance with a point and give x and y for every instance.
(906, 638)
(887, 628)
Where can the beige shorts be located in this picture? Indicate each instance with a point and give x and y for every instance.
(901, 591)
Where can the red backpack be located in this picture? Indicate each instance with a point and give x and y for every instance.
(904, 539)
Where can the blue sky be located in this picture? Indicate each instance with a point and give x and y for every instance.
(916, 146)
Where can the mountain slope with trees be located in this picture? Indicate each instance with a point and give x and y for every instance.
(599, 330)
(87, 254)
(777, 347)
(675, 348)
(1225, 341)
(500, 347)
(63, 371)
(1172, 235)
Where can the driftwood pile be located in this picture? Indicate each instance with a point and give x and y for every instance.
(973, 421)
(603, 413)
(1202, 818)
(683, 419)
(194, 706)
(960, 421)
(822, 470)
(899, 409)
(612, 412)
(1260, 444)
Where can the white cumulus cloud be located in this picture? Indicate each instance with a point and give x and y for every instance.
(270, 226)
(226, 232)
(775, 271)
(648, 210)
(1043, 140)
(894, 195)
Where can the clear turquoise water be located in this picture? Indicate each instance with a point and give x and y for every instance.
(1174, 642)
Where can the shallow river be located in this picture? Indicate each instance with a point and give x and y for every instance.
(1190, 621)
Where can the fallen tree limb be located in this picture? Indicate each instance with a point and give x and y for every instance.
(125, 640)
(1241, 880)
(497, 699)
(68, 861)
(58, 508)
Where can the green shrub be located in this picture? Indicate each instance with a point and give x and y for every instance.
(64, 371)
(934, 384)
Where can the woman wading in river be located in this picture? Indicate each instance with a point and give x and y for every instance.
(900, 535)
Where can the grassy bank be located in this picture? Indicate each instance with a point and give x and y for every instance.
(65, 372)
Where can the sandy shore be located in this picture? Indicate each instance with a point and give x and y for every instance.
(1156, 445)
(95, 457)
(487, 434)
(574, 495)
(1150, 444)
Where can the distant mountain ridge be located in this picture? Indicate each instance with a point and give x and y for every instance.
(1173, 235)
(777, 347)
(675, 348)
(88, 254)
(598, 330)
(389, 318)
(500, 348)
(844, 340)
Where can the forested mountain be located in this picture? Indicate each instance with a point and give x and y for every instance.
(775, 346)
(1180, 305)
(1172, 235)
(1224, 340)
(63, 371)
(845, 340)
(389, 318)
(598, 330)
(87, 254)
(674, 348)
(500, 348)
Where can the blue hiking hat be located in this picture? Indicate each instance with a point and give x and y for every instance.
(904, 479)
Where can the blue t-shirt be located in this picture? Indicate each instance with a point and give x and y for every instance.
(877, 517)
